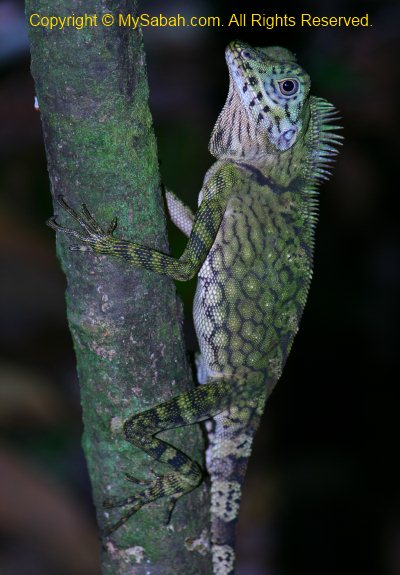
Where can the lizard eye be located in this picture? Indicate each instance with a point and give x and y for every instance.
(245, 54)
(288, 87)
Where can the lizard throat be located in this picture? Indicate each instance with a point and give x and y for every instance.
(235, 136)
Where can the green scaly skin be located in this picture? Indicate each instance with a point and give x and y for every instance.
(251, 243)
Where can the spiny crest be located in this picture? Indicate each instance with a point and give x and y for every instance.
(266, 106)
(322, 140)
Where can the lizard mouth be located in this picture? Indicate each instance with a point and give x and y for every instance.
(238, 57)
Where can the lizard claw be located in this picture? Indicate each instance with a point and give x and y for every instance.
(112, 226)
(93, 236)
(85, 219)
(111, 502)
(170, 509)
(52, 223)
(106, 531)
(79, 248)
(137, 481)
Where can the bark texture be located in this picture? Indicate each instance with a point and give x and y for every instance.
(92, 91)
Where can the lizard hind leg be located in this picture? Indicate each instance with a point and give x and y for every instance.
(185, 474)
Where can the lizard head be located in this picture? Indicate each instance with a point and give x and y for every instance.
(267, 105)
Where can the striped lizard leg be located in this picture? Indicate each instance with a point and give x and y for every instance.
(191, 407)
(204, 231)
(215, 194)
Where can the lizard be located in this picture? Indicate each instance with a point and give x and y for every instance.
(251, 244)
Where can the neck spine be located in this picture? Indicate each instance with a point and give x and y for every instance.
(320, 150)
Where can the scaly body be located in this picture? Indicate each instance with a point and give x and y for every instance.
(251, 243)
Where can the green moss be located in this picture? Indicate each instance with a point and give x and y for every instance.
(125, 323)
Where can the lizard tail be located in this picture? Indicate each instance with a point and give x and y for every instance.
(230, 437)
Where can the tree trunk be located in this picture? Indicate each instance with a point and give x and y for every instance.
(92, 91)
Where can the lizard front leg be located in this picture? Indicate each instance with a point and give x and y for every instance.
(95, 238)
(203, 233)
(180, 214)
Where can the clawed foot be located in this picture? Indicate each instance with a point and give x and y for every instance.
(135, 505)
(95, 238)
(155, 488)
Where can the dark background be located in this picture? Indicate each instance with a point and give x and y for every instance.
(322, 495)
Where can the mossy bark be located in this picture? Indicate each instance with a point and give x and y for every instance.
(92, 91)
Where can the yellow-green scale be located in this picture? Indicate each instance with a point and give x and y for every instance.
(253, 284)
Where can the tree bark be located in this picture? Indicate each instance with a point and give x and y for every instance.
(92, 90)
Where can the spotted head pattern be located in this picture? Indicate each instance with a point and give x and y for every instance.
(267, 105)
